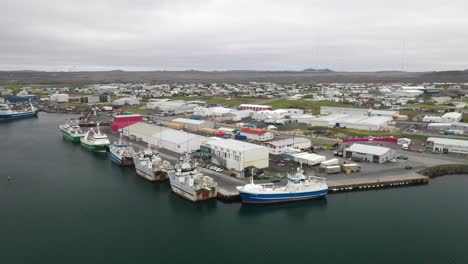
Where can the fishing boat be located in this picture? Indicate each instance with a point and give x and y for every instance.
(299, 187)
(72, 132)
(121, 153)
(187, 182)
(95, 141)
(7, 114)
(150, 165)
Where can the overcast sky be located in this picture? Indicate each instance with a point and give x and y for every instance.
(354, 35)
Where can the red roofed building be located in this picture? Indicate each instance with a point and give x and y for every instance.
(256, 134)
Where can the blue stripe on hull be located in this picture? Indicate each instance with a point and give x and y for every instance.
(116, 159)
(17, 116)
(280, 198)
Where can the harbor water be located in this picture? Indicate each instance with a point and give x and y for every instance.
(62, 204)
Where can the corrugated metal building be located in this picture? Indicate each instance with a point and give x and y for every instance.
(447, 145)
(167, 138)
(192, 124)
(369, 153)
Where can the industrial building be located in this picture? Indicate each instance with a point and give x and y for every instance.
(369, 153)
(59, 98)
(176, 106)
(447, 145)
(450, 117)
(255, 107)
(122, 121)
(256, 134)
(211, 111)
(167, 138)
(287, 145)
(310, 159)
(332, 110)
(352, 121)
(192, 124)
(237, 155)
(126, 101)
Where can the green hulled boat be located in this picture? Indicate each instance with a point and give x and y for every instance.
(72, 133)
(95, 141)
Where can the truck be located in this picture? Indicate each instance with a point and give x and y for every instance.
(332, 169)
(351, 167)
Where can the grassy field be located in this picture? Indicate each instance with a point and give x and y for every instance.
(233, 102)
(314, 106)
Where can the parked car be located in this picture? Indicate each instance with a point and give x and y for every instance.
(404, 157)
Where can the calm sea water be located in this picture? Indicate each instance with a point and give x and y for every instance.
(66, 205)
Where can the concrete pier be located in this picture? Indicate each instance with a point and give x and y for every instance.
(360, 184)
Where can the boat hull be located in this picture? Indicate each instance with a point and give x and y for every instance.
(16, 116)
(192, 195)
(247, 197)
(152, 176)
(121, 161)
(94, 148)
(71, 138)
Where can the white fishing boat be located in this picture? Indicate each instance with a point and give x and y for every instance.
(187, 182)
(299, 187)
(95, 141)
(150, 165)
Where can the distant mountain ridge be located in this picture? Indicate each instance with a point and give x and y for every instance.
(319, 70)
(233, 76)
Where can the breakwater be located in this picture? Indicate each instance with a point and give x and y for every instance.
(447, 169)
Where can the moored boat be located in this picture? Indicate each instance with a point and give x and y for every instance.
(7, 114)
(299, 187)
(150, 165)
(121, 153)
(95, 141)
(187, 182)
(72, 132)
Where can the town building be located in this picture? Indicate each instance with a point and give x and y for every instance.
(447, 145)
(237, 155)
(256, 134)
(369, 153)
(287, 145)
(255, 107)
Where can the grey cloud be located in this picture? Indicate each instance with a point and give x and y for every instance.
(359, 35)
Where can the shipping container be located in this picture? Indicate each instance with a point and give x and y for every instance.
(240, 137)
(351, 167)
(333, 169)
(175, 126)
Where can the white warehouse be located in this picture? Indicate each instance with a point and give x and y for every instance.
(370, 153)
(286, 145)
(237, 155)
(447, 145)
(59, 98)
(167, 138)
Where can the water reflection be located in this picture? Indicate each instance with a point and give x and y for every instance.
(301, 208)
